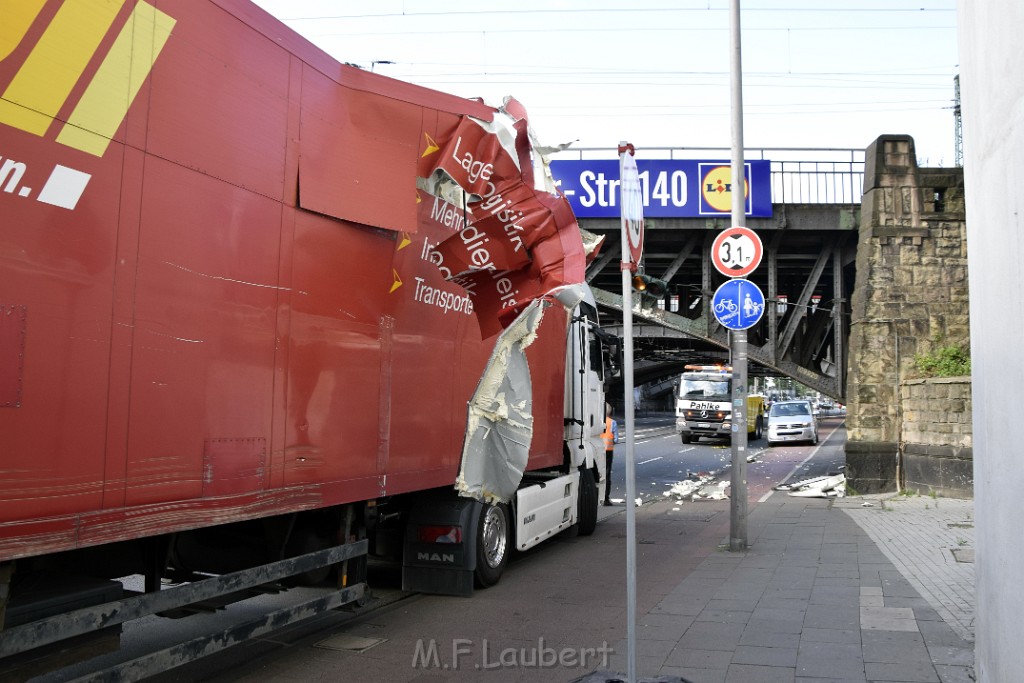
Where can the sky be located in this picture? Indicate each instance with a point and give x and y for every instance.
(656, 73)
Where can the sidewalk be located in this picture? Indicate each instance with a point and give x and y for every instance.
(851, 590)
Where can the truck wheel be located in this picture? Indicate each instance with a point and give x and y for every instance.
(758, 428)
(685, 437)
(586, 503)
(492, 544)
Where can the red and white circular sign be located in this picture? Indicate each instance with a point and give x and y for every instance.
(736, 252)
(632, 205)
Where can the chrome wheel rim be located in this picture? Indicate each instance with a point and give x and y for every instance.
(495, 536)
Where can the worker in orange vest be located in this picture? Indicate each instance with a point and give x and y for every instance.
(610, 435)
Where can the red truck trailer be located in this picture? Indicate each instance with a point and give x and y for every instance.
(234, 343)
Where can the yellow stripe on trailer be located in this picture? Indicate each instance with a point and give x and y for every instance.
(42, 85)
(105, 103)
(18, 16)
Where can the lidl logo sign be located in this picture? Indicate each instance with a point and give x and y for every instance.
(65, 54)
(716, 189)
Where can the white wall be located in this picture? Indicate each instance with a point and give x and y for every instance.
(992, 96)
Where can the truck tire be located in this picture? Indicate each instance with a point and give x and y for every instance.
(586, 503)
(758, 428)
(685, 437)
(492, 544)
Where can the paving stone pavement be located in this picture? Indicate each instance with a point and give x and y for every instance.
(818, 598)
(931, 542)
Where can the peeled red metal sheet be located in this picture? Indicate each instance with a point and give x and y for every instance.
(357, 155)
(361, 141)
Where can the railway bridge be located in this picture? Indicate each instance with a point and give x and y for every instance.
(807, 218)
(864, 271)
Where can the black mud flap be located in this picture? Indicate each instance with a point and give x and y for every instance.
(439, 553)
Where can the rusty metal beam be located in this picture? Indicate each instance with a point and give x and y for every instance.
(838, 323)
(611, 251)
(664, 324)
(684, 253)
(805, 298)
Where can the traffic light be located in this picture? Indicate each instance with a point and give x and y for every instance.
(652, 286)
(651, 289)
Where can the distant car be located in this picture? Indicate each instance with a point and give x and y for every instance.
(792, 421)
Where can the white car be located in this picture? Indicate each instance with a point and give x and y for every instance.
(792, 421)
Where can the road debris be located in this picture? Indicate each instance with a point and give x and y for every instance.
(699, 486)
(828, 486)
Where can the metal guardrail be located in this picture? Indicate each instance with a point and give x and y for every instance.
(817, 182)
(799, 175)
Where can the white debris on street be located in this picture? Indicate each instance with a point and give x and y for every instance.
(828, 486)
(699, 486)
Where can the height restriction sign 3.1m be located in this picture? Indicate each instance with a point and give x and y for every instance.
(736, 252)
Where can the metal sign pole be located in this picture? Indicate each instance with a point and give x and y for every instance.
(627, 370)
(628, 252)
(738, 338)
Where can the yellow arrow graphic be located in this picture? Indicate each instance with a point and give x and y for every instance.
(397, 283)
(431, 146)
(404, 242)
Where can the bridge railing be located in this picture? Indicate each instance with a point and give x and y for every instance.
(799, 175)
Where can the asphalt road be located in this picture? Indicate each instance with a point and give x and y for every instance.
(662, 460)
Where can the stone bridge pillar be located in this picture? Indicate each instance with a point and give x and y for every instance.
(910, 296)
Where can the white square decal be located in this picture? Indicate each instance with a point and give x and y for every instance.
(64, 187)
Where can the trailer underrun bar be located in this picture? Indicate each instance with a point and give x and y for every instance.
(90, 619)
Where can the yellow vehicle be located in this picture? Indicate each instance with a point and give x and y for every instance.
(704, 405)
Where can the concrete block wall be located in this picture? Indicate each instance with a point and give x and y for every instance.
(910, 297)
(937, 436)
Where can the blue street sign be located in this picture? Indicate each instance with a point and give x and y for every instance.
(671, 188)
(738, 304)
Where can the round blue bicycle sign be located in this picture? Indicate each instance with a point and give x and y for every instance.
(738, 304)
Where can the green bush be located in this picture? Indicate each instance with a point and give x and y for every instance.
(953, 360)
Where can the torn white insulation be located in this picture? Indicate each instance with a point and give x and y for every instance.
(591, 241)
(500, 424)
(499, 428)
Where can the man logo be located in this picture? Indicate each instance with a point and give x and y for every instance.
(448, 558)
(41, 87)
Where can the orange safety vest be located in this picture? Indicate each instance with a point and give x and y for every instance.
(607, 436)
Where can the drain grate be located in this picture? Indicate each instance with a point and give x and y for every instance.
(346, 642)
